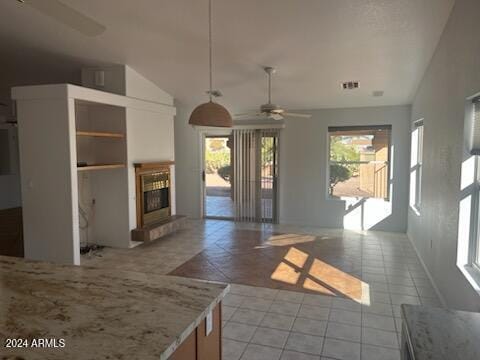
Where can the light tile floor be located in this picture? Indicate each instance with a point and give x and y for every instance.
(219, 206)
(265, 323)
(261, 323)
(223, 206)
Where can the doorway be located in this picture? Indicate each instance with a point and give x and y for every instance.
(240, 175)
(218, 199)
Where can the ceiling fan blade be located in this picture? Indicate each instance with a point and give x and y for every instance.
(67, 15)
(298, 115)
(248, 115)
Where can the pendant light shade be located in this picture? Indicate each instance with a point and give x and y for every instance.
(210, 113)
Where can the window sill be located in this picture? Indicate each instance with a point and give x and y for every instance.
(472, 275)
(354, 198)
(345, 198)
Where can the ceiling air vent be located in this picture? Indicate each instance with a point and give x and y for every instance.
(350, 85)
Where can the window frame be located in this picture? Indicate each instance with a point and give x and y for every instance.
(331, 130)
(418, 166)
(468, 246)
(474, 253)
(473, 263)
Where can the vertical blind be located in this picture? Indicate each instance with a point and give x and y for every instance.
(255, 159)
(475, 140)
(244, 142)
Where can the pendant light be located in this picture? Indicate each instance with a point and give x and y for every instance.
(210, 113)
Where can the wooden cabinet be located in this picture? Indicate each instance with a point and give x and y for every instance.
(199, 346)
(11, 232)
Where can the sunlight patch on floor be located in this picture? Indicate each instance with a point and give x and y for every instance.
(289, 239)
(296, 257)
(286, 273)
(320, 277)
(309, 284)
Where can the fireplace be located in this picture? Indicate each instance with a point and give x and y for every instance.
(153, 193)
(155, 206)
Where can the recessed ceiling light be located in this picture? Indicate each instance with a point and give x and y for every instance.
(378, 93)
(350, 85)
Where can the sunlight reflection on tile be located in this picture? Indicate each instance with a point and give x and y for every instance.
(339, 281)
(286, 273)
(321, 277)
(296, 257)
(309, 284)
(289, 239)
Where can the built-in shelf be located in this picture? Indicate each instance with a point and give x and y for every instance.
(100, 167)
(100, 134)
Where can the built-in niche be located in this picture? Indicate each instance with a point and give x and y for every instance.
(102, 174)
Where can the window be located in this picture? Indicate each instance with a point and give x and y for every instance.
(475, 150)
(468, 250)
(359, 161)
(416, 156)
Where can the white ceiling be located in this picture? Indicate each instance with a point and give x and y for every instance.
(315, 44)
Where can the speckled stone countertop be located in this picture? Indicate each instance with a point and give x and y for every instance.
(100, 314)
(441, 334)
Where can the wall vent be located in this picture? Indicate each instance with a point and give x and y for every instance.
(350, 85)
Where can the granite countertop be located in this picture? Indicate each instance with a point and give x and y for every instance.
(442, 334)
(100, 314)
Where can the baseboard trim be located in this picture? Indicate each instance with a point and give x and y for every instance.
(430, 277)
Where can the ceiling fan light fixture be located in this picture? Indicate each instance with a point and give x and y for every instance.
(211, 113)
(271, 110)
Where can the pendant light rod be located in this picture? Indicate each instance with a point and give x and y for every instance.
(210, 46)
(211, 113)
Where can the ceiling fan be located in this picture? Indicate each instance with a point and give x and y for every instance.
(270, 110)
(66, 15)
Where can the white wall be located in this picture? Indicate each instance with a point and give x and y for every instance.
(123, 80)
(49, 196)
(303, 171)
(303, 155)
(452, 76)
(150, 138)
(187, 159)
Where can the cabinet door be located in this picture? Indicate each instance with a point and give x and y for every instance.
(209, 347)
(187, 350)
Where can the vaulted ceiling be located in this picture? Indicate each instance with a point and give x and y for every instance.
(314, 44)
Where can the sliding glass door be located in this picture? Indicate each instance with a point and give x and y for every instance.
(240, 175)
(255, 174)
(269, 176)
(218, 196)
